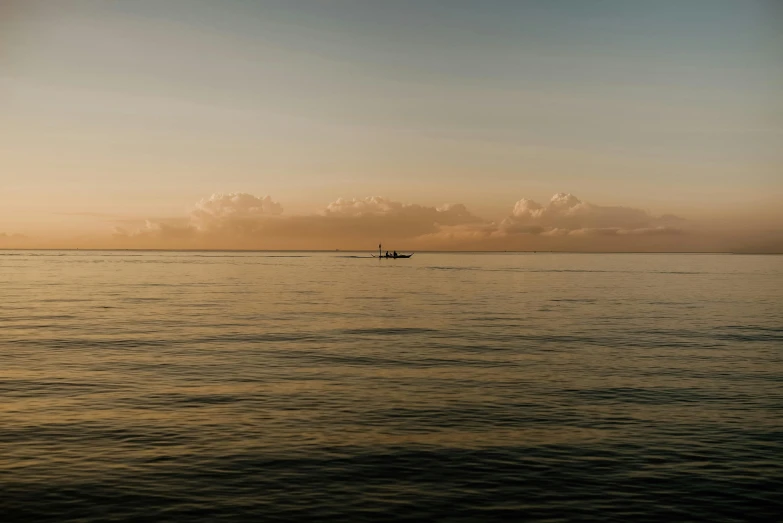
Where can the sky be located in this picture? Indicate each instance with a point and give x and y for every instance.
(451, 124)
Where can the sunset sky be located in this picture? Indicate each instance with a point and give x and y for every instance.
(565, 125)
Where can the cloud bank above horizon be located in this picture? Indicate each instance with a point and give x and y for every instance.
(564, 223)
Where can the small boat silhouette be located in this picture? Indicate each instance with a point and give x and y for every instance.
(392, 256)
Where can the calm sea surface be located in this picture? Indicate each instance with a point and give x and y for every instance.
(155, 386)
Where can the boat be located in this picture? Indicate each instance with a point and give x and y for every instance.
(389, 256)
(394, 257)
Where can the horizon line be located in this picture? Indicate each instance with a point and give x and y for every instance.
(74, 249)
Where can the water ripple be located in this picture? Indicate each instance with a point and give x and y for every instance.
(179, 386)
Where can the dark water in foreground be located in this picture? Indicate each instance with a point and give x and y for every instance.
(448, 387)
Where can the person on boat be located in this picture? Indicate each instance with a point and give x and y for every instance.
(388, 255)
(395, 254)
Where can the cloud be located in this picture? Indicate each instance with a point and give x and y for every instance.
(567, 215)
(564, 223)
(245, 221)
(567, 223)
(229, 216)
(240, 220)
(154, 230)
(221, 209)
(447, 214)
(372, 205)
(356, 220)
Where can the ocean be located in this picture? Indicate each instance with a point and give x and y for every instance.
(455, 387)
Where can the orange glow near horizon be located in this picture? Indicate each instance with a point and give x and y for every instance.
(119, 118)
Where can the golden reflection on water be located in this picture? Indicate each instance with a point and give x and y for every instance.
(116, 365)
